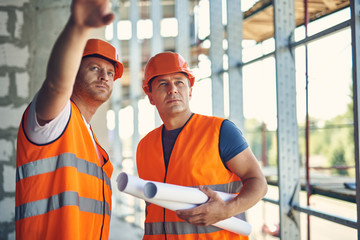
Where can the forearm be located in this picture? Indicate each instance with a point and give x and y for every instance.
(61, 72)
(253, 190)
(66, 55)
(215, 209)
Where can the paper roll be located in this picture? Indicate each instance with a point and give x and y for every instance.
(172, 192)
(135, 186)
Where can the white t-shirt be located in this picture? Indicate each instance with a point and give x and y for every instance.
(53, 129)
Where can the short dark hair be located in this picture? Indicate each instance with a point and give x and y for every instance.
(102, 57)
(149, 83)
(152, 79)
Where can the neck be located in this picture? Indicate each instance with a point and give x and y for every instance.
(176, 121)
(86, 109)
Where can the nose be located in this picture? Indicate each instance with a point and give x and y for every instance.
(103, 75)
(172, 88)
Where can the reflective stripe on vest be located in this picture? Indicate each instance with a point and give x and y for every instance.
(62, 182)
(57, 201)
(180, 228)
(63, 199)
(177, 228)
(232, 187)
(64, 160)
(194, 161)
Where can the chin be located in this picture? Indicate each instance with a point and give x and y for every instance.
(176, 110)
(101, 98)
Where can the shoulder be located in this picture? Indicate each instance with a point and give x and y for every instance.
(231, 141)
(229, 130)
(152, 134)
(228, 125)
(208, 119)
(50, 131)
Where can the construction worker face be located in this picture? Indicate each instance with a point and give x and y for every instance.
(95, 79)
(170, 93)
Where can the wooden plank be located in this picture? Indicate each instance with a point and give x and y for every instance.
(258, 19)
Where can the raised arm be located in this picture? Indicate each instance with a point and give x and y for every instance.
(66, 56)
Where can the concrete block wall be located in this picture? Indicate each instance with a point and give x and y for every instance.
(28, 29)
(14, 95)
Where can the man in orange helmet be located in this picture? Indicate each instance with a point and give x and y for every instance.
(193, 150)
(63, 188)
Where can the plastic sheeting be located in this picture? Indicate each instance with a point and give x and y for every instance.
(174, 197)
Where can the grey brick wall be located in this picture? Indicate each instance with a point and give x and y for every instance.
(28, 29)
(14, 96)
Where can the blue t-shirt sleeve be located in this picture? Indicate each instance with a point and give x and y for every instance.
(231, 142)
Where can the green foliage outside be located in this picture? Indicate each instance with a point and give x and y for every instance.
(254, 138)
(332, 140)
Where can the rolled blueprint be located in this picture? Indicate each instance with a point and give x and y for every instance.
(172, 192)
(131, 185)
(135, 186)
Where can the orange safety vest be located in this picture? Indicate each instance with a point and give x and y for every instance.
(62, 191)
(194, 161)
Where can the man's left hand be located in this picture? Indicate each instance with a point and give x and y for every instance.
(214, 210)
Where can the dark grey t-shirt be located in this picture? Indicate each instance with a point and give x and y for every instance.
(231, 142)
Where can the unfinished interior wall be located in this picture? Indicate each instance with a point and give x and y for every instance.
(28, 29)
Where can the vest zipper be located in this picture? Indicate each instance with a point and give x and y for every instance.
(164, 225)
(103, 193)
(164, 208)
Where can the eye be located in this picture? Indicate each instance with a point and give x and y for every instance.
(111, 74)
(95, 68)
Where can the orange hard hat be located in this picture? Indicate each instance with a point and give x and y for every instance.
(106, 50)
(165, 63)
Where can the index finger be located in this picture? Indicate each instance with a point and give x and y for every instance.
(208, 191)
(190, 212)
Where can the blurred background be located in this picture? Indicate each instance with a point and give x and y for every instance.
(284, 71)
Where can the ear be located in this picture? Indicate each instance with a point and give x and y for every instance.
(151, 100)
(190, 93)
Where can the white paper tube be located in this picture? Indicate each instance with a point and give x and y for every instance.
(172, 192)
(234, 225)
(130, 184)
(169, 192)
(135, 187)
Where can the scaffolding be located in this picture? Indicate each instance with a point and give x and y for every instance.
(232, 31)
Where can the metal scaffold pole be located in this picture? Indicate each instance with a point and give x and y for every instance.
(288, 149)
(157, 45)
(116, 97)
(135, 67)
(183, 38)
(117, 93)
(234, 52)
(216, 58)
(355, 34)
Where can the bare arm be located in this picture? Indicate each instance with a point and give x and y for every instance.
(215, 209)
(66, 56)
